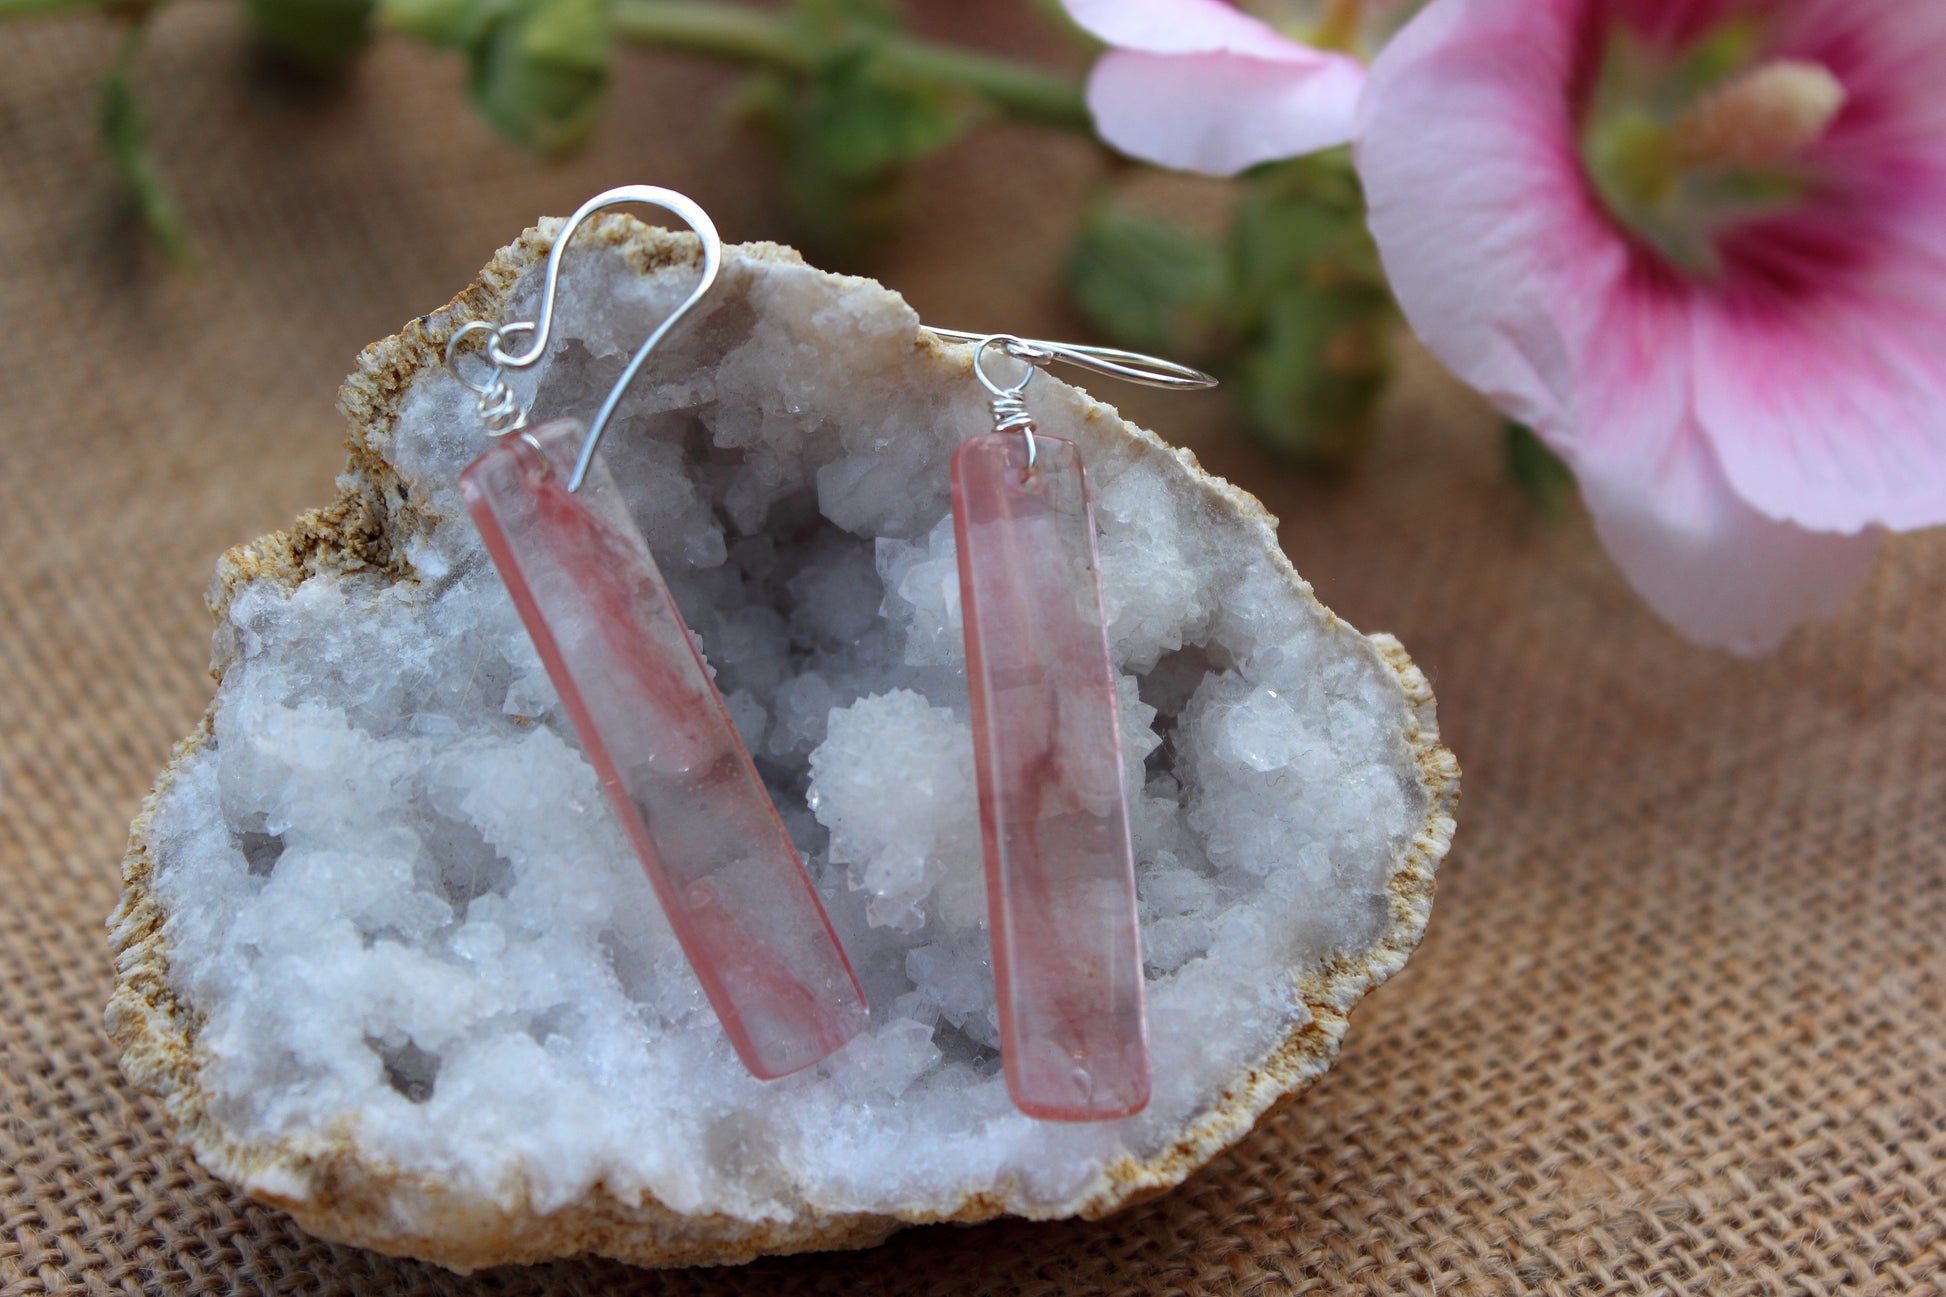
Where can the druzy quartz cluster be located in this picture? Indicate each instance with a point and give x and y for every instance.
(391, 963)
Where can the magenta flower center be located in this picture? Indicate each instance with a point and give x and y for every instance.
(1686, 146)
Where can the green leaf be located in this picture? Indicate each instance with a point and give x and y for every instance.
(1539, 473)
(1308, 312)
(538, 69)
(455, 24)
(1147, 284)
(313, 33)
(859, 126)
(1310, 374)
(124, 136)
(846, 130)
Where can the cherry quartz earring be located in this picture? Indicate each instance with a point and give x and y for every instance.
(635, 688)
(1067, 951)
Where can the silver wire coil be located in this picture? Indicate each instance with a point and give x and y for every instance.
(1010, 412)
(495, 402)
(499, 408)
(1009, 404)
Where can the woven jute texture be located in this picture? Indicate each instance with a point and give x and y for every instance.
(1680, 1023)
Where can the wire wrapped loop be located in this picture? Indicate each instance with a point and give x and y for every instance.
(496, 404)
(1009, 404)
(498, 407)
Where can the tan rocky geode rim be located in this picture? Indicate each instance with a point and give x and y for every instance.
(337, 1190)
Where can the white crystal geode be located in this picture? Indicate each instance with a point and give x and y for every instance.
(390, 965)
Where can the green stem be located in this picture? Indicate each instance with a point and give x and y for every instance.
(1018, 89)
(753, 36)
(29, 8)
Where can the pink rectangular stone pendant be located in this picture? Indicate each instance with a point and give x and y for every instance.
(658, 735)
(1067, 952)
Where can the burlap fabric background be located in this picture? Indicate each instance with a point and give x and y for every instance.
(1678, 1024)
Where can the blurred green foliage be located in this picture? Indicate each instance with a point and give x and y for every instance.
(537, 69)
(541, 71)
(1288, 305)
(316, 34)
(1152, 285)
(1532, 465)
(846, 125)
(1308, 309)
(1290, 309)
(124, 136)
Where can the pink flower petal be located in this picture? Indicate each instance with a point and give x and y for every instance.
(1477, 206)
(1833, 415)
(1821, 372)
(1509, 270)
(1220, 113)
(1713, 567)
(1187, 27)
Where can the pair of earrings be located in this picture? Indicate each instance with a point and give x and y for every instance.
(1053, 814)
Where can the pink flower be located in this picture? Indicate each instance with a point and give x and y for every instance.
(1200, 85)
(1700, 247)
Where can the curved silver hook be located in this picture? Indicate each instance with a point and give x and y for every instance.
(670, 201)
(1010, 403)
(1129, 366)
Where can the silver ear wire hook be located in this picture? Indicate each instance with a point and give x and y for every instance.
(1129, 366)
(1010, 403)
(497, 406)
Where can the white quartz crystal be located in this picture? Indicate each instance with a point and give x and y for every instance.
(397, 900)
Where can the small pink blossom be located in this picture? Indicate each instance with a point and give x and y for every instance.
(1723, 301)
(1200, 85)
